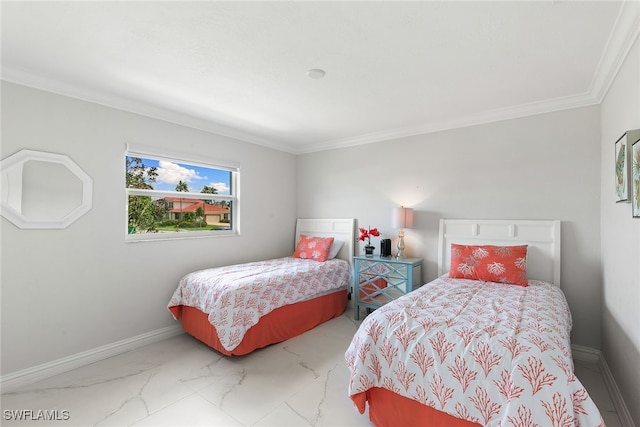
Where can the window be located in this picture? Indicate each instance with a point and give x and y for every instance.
(172, 196)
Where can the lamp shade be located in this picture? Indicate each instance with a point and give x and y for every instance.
(402, 217)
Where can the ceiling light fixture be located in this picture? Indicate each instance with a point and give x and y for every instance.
(316, 73)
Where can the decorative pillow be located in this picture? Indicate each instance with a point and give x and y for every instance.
(335, 248)
(315, 248)
(503, 264)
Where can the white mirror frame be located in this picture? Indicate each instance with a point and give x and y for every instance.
(17, 161)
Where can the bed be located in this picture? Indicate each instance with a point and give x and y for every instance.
(240, 308)
(468, 351)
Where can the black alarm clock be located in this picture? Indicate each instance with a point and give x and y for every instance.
(385, 248)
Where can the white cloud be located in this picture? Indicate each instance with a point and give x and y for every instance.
(172, 173)
(221, 187)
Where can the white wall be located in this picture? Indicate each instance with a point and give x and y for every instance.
(72, 290)
(540, 167)
(620, 235)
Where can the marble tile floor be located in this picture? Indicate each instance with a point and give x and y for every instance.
(181, 382)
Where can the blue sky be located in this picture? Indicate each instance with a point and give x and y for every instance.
(196, 177)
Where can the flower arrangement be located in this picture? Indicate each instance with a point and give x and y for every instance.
(367, 233)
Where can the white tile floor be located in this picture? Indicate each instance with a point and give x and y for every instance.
(181, 382)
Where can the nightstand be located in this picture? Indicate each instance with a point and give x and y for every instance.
(376, 280)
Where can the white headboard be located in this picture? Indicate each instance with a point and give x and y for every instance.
(340, 229)
(543, 238)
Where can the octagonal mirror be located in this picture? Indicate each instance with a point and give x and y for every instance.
(43, 190)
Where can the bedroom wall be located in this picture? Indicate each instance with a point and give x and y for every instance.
(540, 167)
(72, 290)
(620, 235)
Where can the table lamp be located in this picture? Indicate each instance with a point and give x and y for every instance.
(401, 218)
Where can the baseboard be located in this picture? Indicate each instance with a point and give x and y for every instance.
(585, 354)
(616, 396)
(14, 380)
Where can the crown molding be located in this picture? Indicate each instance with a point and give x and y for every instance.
(623, 35)
(519, 111)
(24, 78)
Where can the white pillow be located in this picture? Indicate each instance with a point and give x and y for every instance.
(335, 248)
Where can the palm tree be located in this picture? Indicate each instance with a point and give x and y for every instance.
(181, 187)
(209, 190)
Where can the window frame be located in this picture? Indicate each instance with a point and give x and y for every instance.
(142, 151)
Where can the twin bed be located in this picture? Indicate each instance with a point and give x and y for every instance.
(486, 343)
(481, 344)
(240, 308)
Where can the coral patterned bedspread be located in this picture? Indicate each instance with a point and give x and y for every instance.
(490, 353)
(236, 296)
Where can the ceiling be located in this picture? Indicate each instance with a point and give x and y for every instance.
(392, 68)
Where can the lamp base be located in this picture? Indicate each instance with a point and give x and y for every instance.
(400, 254)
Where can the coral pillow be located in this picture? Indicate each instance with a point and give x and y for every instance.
(503, 264)
(315, 248)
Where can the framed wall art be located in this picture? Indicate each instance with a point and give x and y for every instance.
(635, 179)
(622, 169)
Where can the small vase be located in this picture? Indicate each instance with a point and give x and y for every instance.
(368, 250)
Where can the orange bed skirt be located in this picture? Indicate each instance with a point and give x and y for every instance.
(280, 325)
(387, 409)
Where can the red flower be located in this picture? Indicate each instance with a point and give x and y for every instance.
(366, 234)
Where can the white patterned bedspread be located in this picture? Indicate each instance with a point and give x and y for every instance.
(236, 296)
(494, 354)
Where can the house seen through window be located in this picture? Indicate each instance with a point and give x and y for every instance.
(168, 198)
